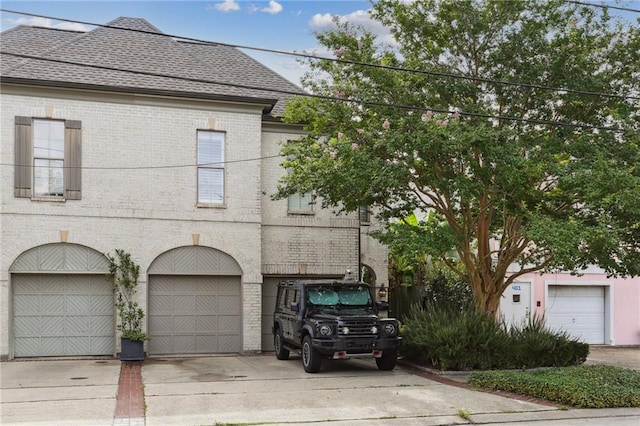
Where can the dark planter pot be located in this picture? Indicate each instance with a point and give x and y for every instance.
(131, 350)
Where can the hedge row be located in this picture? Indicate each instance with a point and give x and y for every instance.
(454, 339)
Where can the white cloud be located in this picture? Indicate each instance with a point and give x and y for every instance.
(321, 21)
(48, 23)
(325, 21)
(227, 6)
(273, 8)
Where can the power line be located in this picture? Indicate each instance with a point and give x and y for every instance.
(603, 6)
(344, 61)
(332, 98)
(177, 166)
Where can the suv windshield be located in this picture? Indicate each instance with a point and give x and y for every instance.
(355, 297)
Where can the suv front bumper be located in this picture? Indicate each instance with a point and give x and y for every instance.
(356, 347)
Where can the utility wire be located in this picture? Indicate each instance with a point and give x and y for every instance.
(343, 61)
(177, 166)
(603, 6)
(332, 98)
(309, 56)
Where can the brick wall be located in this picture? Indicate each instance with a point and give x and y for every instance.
(139, 193)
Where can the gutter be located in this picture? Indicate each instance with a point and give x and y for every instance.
(268, 103)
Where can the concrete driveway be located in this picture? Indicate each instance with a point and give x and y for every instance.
(66, 392)
(619, 356)
(260, 389)
(263, 390)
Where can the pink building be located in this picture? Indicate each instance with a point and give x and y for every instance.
(593, 307)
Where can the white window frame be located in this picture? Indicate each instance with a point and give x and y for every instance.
(211, 167)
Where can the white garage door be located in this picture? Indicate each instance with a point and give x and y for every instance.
(62, 315)
(578, 310)
(194, 314)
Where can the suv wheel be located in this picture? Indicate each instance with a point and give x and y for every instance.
(310, 357)
(388, 359)
(281, 352)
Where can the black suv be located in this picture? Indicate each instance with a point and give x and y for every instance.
(332, 319)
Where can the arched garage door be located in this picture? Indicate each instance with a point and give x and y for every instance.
(195, 303)
(62, 302)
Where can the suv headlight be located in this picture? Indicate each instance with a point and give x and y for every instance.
(325, 330)
(389, 329)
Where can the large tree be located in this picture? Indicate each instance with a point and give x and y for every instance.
(512, 125)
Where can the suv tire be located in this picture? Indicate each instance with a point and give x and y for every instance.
(281, 352)
(311, 360)
(388, 360)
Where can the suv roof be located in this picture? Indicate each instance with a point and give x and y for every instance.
(322, 281)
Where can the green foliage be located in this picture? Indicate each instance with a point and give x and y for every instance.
(534, 345)
(593, 386)
(451, 339)
(488, 167)
(454, 339)
(447, 290)
(125, 273)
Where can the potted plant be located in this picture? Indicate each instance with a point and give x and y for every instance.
(125, 273)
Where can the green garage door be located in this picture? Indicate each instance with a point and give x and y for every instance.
(62, 315)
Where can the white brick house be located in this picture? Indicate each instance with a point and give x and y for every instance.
(126, 138)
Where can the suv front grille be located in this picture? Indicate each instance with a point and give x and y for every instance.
(357, 327)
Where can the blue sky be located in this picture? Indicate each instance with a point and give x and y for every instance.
(281, 25)
(285, 25)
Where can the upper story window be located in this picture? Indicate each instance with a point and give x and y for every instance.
(48, 156)
(364, 215)
(210, 167)
(301, 203)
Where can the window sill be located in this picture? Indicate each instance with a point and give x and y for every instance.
(49, 199)
(300, 213)
(210, 206)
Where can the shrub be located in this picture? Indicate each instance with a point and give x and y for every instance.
(447, 290)
(593, 386)
(534, 345)
(465, 339)
(125, 272)
(453, 339)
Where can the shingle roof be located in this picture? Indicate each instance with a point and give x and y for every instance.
(142, 60)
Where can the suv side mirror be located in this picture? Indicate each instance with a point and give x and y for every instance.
(295, 307)
(382, 306)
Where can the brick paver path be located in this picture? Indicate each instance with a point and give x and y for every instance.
(130, 400)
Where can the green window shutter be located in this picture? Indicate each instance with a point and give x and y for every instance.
(73, 160)
(23, 157)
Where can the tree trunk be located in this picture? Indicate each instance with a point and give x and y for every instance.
(487, 294)
(490, 303)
